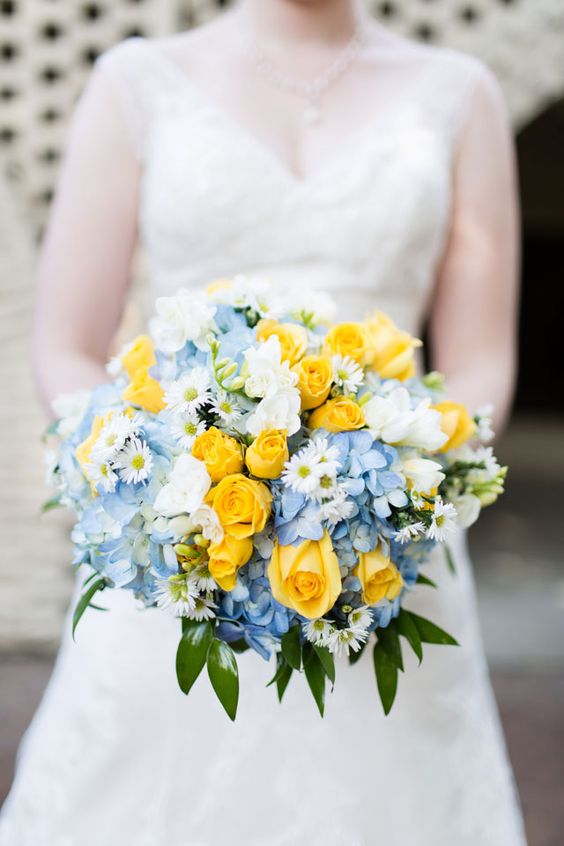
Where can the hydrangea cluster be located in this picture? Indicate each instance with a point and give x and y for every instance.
(274, 480)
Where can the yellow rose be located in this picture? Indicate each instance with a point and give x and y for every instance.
(352, 339)
(393, 350)
(293, 338)
(221, 453)
(379, 577)
(242, 505)
(337, 415)
(227, 557)
(141, 353)
(306, 577)
(267, 454)
(315, 376)
(145, 392)
(84, 450)
(457, 423)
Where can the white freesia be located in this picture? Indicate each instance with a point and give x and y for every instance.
(189, 482)
(392, 419)
(280, 411)
(265, 372)
(70, 409)
(468, 509)
(185, 317)
(422, 474)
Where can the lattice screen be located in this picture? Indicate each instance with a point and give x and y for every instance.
(47, 48)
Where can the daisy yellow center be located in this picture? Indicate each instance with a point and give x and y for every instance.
(440, 520)
(342, 375)
(104, 469)
(190, 394)
(304, 472)
(226, 407)
(190, 428)
(138, 462)
(326, 482)
(111, 439)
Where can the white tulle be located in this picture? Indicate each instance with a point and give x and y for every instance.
(116, 754)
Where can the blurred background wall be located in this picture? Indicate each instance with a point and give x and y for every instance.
(47, 48)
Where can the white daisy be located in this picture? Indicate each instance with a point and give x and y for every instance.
(226, 407)
(360, 619)
(113, 436)
(326, 455)
(341, 641)
(408, 533)
(134, 462)
(443, 521)
(204, 609)
(338, 508)
(317, 631)
(302, 472)
(203, 579)
(347, 374)
(185, 428)
(102, 474)
(177, 594)
(190, 392)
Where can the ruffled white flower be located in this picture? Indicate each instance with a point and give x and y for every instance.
(311, 307)
(265, 372)
(189, 393)
(281, 411)
(113, 435)
(341, 641)
(189, 483)
(338, 508)
(185, 317)
(443, 521)
(205, 520)
(226, 407)
(409, 532)
(134, 462)
(422, 474)
(177, 594)
(69, 409)
(185, 429)
(317, 631)
(347, 374)
(391, 419)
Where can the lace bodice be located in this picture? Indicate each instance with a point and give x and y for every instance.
(370, 225)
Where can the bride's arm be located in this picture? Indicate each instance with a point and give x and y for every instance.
(474, 315)
(86, 257)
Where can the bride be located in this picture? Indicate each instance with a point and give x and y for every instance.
(299, 141)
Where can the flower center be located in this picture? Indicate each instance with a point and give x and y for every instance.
(138, 462)
(304, 471)
(190, 394)
(190, 428)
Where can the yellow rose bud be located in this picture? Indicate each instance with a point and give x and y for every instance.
(293, 338)
(352, 339)
(315, 377)
(141, 353)
(379, 577)
(227, 557)
(457, 423)
(267, 454)
(393, 350)
(306, 577)
(242, 505)
(221, 453)
(337, 415)
(145, 392)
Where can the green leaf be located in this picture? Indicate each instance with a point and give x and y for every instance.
(355, 656)
(224, 675)
(410, 632)
(51, 504)
(239, 646)
(430, 633)
(389, 640)
(327, 662)
(315, 675)
(84, 602)
(280, 665)
(450, 560)
(291, 647)
(425, 580)
(192, 652)
(283, 679)
(386, 677)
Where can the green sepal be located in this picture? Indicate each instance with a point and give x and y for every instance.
(292, 648)
(224, 675)
(192, 651)
(408, 629)
(84, 602)
(388, 638)
(425, 580)
(315, 675)
(327, 662)
(386, 677)
(430, 633)
(51, 504)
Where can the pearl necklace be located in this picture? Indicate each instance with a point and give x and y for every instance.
(312, 91)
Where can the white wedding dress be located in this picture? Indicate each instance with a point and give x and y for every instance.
(116, 755)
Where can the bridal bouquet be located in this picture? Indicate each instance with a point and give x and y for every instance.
(272, 479)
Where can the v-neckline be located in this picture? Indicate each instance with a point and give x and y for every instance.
(352, 140)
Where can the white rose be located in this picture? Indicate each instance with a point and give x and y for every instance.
(189, 482)
(280, 411)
